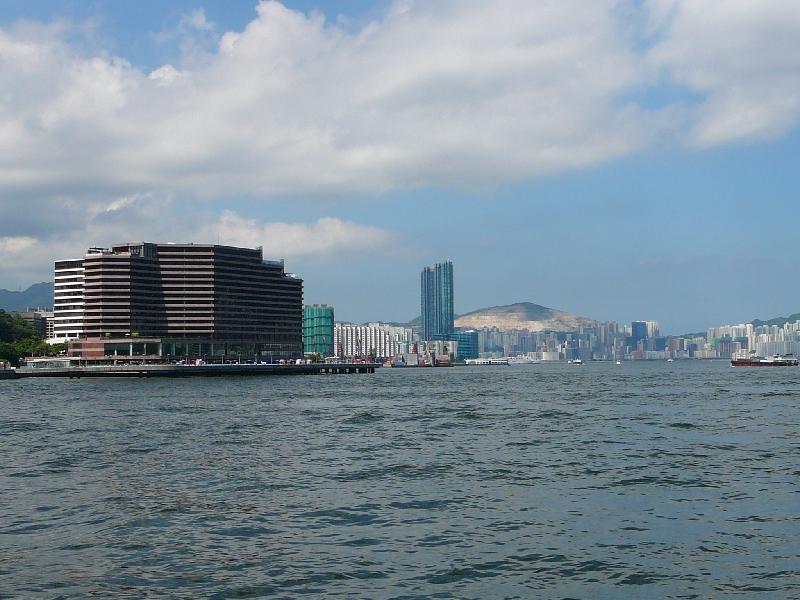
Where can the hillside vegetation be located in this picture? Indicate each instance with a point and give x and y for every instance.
(779, 321)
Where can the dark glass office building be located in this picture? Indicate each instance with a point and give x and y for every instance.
(201, 299)
(436, 291)
(467, 342)
(638, 332)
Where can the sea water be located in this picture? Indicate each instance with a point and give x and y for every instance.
(640, 480)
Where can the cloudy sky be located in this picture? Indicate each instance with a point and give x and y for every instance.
(619, 159)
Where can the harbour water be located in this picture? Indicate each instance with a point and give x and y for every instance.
(640, 480)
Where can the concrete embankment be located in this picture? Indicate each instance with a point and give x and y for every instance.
(193, 370)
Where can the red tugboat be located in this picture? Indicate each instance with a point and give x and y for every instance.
(787, 360)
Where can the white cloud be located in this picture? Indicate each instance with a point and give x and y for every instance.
(456, 93)
(156, 218)
(326, 236)
(462, 93)
(20, 261)
(197, 20)
(742, 56)
(11, 245)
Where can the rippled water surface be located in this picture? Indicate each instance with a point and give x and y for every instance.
(635, 481)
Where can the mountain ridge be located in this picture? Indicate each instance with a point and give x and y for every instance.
(38, 295)
(523, 315)
(520, 315)
(779, 321)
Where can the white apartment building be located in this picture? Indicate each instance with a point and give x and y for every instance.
(382, 340)
(764, 340)
(67, 301)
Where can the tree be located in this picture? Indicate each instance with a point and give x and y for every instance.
(13, 328)
(18, 339)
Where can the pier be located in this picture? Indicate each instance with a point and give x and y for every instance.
(222, 370)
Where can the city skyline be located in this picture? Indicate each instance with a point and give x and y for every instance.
(651, 328)
(385, 135)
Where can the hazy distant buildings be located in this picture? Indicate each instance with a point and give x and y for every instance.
(745, 338)
(318, 329)
(638, 332)
(436, 295)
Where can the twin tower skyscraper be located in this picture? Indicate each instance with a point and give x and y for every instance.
(436, 294)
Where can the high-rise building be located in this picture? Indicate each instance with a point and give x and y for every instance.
(436, 299)
(638, 332)
(67, 301)
(207, 299)
(318, 329)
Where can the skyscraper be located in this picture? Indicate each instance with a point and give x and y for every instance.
(638, 332)
(436, 295)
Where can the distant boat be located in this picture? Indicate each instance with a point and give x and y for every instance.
(787, 360)
(487, 361)
(521, 360)
(670, 360)
(619, 362)
(577, 361)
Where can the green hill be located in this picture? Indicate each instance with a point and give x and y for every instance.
(779, 321)
(39, 295)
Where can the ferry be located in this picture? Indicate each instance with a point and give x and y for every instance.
(487, 361)
(522, 360)
(787, 360)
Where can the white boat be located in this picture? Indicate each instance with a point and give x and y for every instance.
(619, 362)
(487, 361)
(521, 360)
(577, 361)
(670, 360)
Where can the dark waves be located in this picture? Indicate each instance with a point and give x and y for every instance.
(551, 481)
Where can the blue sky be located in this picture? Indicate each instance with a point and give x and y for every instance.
(623, 160)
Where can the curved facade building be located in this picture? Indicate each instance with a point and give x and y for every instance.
(202, 299)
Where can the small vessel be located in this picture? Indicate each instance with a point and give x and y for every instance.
(619, 362)
(521, 360)
(787, 360)
(487, 361)
(670, 360)
(577, 361)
